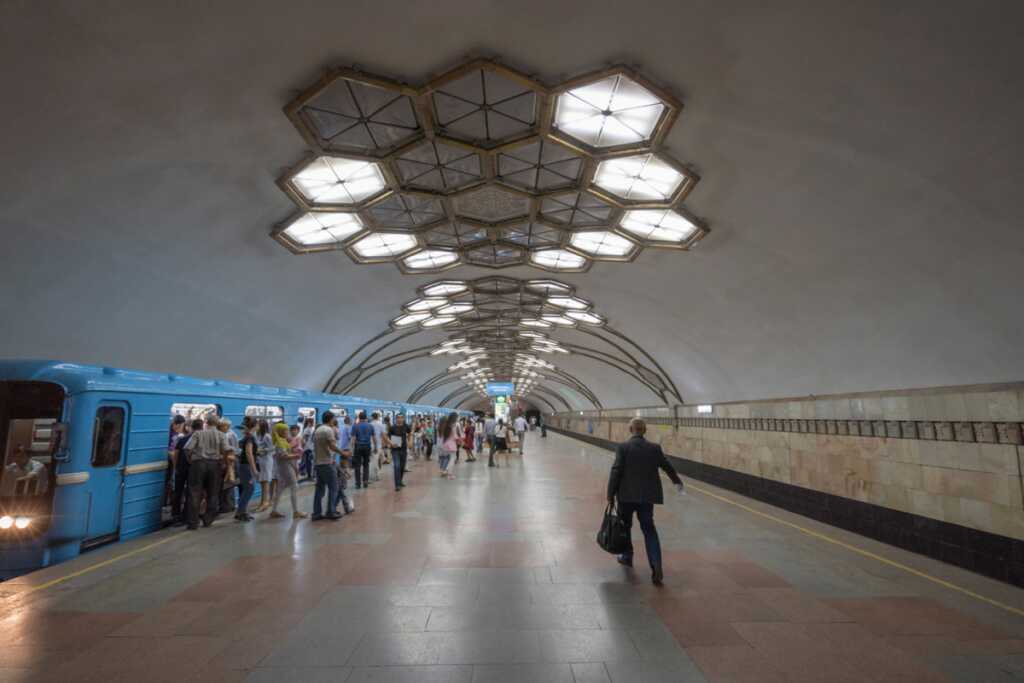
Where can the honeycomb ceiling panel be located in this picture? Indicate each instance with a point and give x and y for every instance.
(406, 211)
(487, 166)
(491, 204)
(540, 167)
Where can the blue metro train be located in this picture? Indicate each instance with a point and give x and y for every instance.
(85, 448)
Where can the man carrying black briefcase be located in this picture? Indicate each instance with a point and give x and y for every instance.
(635, 482)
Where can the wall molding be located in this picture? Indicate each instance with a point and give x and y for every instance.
(1008, 433)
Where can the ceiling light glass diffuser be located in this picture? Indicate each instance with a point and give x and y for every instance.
(437, 321)
(338, 180)
(455, 309)
(612, 111)
(586, 317)
(426, 304)
(639, 178)
(383, 245)
(658, 225)
(602, 243)
(409, 319)
(327, 227)
(430, 259)
(445, 288)
(557, 259)
(558, 320)
(533, 322)
(569, 302)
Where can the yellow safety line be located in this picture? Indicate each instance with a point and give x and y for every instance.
(98, 565)
(861, 551)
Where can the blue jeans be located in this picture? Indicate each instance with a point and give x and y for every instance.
(645, 515)
(245, 488)
(398, 456)
(342, 498)
(443, 460)
(326, 478)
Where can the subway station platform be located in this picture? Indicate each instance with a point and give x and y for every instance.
(496, 577)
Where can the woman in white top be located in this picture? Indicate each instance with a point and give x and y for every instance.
(501, 439)
(460, 434)
(265, 463)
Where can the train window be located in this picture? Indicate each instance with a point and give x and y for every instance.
(307, 413)
(26, 471)
(272, 414)
(339, 413)
(107, 436)
(194, 411)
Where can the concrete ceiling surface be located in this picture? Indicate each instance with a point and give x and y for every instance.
(861, 166)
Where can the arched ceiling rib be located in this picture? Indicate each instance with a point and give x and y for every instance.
(498, 328)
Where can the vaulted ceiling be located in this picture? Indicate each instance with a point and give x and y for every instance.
(859, 169)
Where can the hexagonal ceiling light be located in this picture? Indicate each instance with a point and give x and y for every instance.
(487, 166)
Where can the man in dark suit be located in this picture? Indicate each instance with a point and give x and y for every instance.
(635, 481)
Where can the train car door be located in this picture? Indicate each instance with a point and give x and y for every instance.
(107, 463)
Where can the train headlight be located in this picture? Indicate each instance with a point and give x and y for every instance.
(22, 522)
(6, 522)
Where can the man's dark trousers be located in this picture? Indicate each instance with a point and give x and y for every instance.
(203, 476)
(398, 456)
(361, 464)
(645, 515)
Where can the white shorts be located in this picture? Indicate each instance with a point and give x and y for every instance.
(266, 465)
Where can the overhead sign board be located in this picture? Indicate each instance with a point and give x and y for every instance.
(500, 388)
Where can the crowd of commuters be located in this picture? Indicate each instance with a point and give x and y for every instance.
(213, 469)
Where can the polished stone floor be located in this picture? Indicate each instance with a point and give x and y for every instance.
(496, 577)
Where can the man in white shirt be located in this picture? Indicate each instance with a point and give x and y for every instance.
(489, 425)
(520, 428)
(378, 446)
(26, 471)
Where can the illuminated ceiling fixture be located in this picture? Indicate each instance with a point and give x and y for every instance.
(569, 302)
(609, 112)
(336, 181)
(558, 320)
(586, 317)
(558, 259)
(319, 230)
(383, 245)
(438, 321)
(430, 259)
(485, 166)
(660, 227)
(445, 288)
(409, 319)
(533, 322)
(455, 309)
(642, 178)
(603, 243)
(426, 304)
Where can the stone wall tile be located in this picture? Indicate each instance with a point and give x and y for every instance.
(873, 409)
(997, 458)
(895, 408)
(857, 409)
(927, 504)
(1007, 521)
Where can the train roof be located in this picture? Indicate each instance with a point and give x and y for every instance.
(78, 377)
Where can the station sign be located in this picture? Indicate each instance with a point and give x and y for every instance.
(500, 388)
